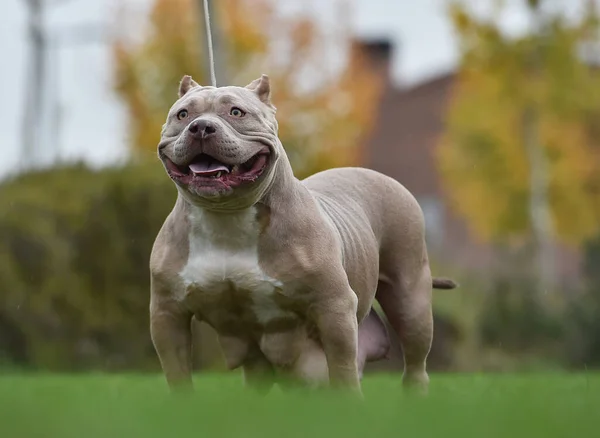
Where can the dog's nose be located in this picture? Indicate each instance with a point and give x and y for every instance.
(202, 128)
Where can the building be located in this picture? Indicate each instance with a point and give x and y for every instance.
(402, 144)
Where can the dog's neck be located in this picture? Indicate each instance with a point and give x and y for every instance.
(283, 185)
(234, 230)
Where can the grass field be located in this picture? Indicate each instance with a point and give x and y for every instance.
(486, 406)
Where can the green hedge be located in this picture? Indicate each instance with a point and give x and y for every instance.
(74, 250)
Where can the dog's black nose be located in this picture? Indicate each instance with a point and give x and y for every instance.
(202, 128)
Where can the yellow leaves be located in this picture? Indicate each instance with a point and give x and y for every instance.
(459, 17)
(571, 169)
(483, 156)
(481, 159)
(321, 125)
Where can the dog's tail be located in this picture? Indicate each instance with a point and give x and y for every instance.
(444, 283)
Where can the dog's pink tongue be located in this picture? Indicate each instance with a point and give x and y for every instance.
(207, 166)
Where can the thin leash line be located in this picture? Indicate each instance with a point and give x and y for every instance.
(211, 56)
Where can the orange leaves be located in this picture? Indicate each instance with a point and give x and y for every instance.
(323, 114)
(244, 23)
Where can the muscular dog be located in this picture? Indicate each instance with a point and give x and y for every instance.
(286, 271)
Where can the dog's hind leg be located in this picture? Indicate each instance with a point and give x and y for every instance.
(406, 302)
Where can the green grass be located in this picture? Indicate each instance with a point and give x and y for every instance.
(486, 406)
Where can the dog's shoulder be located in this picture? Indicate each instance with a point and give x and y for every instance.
(171, 246)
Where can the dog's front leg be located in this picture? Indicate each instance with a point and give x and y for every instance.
(170, 329)
(336, 322)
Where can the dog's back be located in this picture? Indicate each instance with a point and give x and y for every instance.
(387, 205)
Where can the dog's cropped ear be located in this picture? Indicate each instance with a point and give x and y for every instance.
(186, 84)
(262, 88)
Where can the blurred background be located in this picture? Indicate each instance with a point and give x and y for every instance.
(487, 111)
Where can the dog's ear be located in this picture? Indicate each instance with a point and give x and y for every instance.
(262, 88)
(186, 84)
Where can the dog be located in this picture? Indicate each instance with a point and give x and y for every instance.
(286, 271)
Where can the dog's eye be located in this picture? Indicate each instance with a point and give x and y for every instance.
(236, 112)
(182, 114)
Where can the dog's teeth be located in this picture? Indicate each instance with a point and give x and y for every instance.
(218, 175)
(235, 169)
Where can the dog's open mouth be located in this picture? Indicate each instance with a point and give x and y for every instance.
(205, 169)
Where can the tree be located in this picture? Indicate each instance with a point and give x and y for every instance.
(322, 115)
(521, 130)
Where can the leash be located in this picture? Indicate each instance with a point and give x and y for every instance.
(211, 56)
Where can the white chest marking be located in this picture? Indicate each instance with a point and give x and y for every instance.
(223, 253)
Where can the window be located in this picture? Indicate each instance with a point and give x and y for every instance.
(434, 220)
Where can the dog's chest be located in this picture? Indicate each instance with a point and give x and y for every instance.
(223, 279)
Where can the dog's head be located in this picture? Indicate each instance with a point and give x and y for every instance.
(220, 145)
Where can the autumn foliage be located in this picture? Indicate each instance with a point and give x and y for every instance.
(483, 153)
(323, 112)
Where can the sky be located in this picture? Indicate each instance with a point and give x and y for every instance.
(93, 120)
